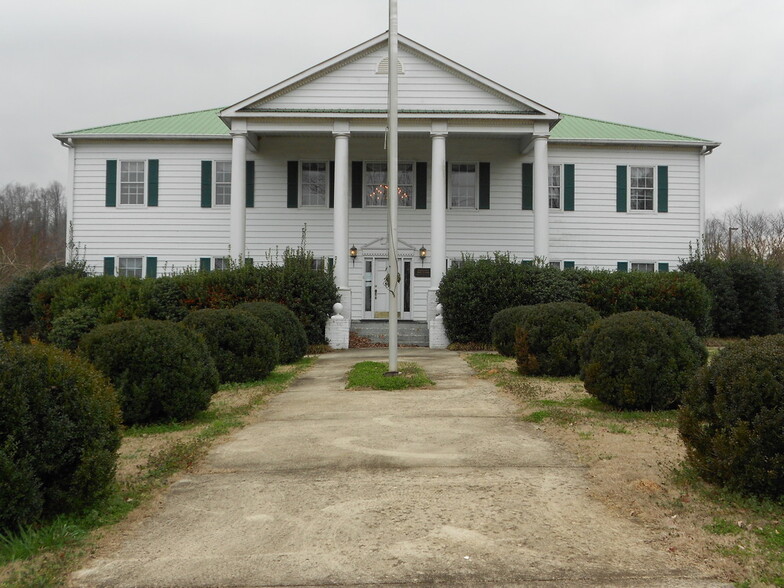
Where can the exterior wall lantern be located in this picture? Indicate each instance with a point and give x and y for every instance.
(353, 253)
(422, 254)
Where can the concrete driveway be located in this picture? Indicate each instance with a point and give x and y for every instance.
(331, 487)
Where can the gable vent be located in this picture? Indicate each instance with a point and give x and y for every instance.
(383, 67)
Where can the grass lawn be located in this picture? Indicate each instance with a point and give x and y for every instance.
(371, 374)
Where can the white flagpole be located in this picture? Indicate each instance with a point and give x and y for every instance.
(392, 196)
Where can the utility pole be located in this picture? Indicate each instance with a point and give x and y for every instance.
(392, 197)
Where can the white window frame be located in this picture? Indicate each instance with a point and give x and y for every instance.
(327, 183)
(222, 261)
(123, 260)
(639, 263)
(216, 183)
(655, 189)
(555, 264)
(560, 186)
(120, 183)
(451, 187)
(400, 203)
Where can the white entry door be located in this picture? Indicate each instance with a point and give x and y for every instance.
(376, 292)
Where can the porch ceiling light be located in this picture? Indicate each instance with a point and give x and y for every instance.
(353, 253)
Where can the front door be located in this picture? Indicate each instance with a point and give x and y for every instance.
(376, 292)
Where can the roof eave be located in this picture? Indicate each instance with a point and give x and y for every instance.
(706, 144)
(110, 136)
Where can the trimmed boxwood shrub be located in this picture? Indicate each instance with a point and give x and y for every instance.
(546, 338)
(71, 326)
(640, 360)
(503, 326)
(59, 434)
(162, 371)
(292, 339)
(732, 418)
(244, 347)
(16, 313)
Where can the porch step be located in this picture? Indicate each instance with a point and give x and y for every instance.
(413, 333)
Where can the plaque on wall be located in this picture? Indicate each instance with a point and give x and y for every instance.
(421, 272)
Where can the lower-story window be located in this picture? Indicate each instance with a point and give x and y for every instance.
(129, 267)
(221, 263)
(643, 267)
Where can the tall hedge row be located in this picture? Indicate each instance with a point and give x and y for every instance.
(474, 292)
(748, 295)
(34, 304)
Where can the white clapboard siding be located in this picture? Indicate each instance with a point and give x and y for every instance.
(179, 231)
(423, 86)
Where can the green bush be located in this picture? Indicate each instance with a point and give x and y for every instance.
(546, 338)
(59, 434)
(16, 313)
(292, 339)
(732, 418)
(71, 326)
(474, 292)
(244, 347)
(640, 360)
(162, 371)
(675, 293)
(503, 327)
(164, 299)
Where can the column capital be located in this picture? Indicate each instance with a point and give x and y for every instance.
(234, 134)
(341, 128)
(541, 135)
(438, 128)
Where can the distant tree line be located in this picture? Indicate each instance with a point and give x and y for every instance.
(33, 228)
(738, 233)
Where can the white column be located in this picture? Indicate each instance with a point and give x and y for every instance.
(541, 200)
(340, 214)
(438, 209)
(237, 227)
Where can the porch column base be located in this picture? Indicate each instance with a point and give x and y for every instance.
(437, 332)
(337, 328)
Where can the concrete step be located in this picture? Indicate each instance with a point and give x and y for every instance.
(414, 333)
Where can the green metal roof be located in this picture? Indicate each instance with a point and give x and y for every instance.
(588, 129)
(203, 122)
(207, 123)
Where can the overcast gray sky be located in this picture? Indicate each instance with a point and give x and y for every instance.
(706, 68)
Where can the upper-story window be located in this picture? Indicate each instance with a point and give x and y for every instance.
(131, 182)
(377, 184)
(554, 185)
(463, 185)
(315, 181)
(222, 183)
(641, 188)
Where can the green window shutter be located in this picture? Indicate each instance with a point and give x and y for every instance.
(663, 188)
(292, 185)
(484, 186)
(152, 268)
(206, 184)
(250, 184)
(623, 266)
(332, 184)
(620, 188)
(152, 182)
(421, 185)
(108, 266)
(111, 182)
(568, 265)
(568, 186)
(528, 186)
(356, 184)
(204, 264)
(664, 267)
(249, 261)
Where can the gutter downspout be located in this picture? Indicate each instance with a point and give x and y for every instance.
(70, 249)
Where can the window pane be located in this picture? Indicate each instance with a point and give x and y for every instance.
(554, 186)
(130, 267)
(222, 182)
(376, 185)
(132, 182)
(462, 189)
(314, 183)
(641, 184)
(642, 267)
(221, 263)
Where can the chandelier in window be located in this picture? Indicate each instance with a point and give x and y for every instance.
(379, 194)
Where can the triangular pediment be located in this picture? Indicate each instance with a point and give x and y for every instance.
(356, 82)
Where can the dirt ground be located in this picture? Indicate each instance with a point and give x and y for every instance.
(633, 468)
